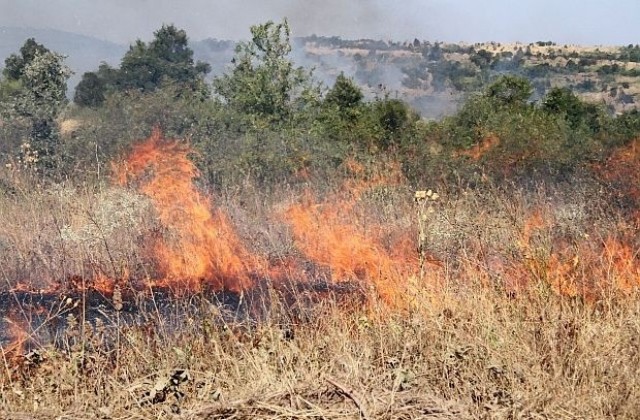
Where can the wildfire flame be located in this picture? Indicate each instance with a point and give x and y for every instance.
(579, 268)
(327, 235)
(199, 246)
(326, 232)
(198, 249)
(480, 149)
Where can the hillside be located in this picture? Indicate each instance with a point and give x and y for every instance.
(435, 76)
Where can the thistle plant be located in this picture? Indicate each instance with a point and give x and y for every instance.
(424, 201)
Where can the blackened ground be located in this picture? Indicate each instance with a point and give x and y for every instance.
(39, 318)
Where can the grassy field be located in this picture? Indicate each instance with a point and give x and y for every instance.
(485, 302)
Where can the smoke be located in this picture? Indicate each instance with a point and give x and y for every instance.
(352, 19)
(571, 21)
(124, 21)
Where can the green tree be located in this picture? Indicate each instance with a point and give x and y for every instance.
(510, 91)
(264, 82)
(94, 86)
(345, 97)
(37, 96)
(44, 96)
(482, 59)
(90, 91)
(168, 56)
(393, 119)
(562, 101)
(147, 67)
(15, 64)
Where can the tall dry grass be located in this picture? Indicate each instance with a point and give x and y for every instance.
(506, 323)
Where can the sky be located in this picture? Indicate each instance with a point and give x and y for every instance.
(588, 22)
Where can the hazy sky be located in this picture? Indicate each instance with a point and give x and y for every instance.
(564, 21)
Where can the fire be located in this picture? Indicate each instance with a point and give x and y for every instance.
(622, 171)
(480, 149)
(622, 263)
(586, 267)
(363, 178)
(16, 332)
(198, 249)
(327, 233)
(199, 246)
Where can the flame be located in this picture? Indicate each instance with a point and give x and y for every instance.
(622, 264)
(365, 178)
(327, 233)
(17, 335)
(480, 149)
(199, 246)
(622, 171)
(585, 267)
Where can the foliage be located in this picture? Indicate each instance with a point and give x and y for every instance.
(564, 102)
(482, 59)
(34, 91)
(15, 64)
(510, 91)
(395, 119)
(263, 82)
(345, 96)
(270, 121)
(453, 74)
(145, 68)
(90, 91)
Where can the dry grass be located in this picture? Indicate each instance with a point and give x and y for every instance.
(473, 343)
(481, 356)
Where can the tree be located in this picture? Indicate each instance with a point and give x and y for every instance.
(345, 96)
(562, 101)
(37, 82)
(510, 91)
(44, 96)
(147, 67)
(394, 119)
(15, 64)
(94, 86)
(264, 82)
(482, 59)
(90, 92)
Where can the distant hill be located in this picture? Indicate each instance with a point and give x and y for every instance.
(435, 77)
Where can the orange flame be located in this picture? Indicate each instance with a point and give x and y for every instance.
(481, 148)
(622, 171)
(327, 234)
(365, 178)
(329, 237)
(18, 336)
(622, 263)
(585, 267)
(200, 245)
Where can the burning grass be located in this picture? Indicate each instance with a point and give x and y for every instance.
(147, 298)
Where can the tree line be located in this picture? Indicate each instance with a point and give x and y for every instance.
(271, 120)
